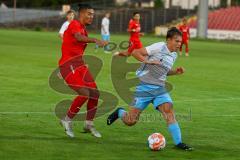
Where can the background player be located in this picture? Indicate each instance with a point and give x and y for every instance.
(105, 33)
(185, 37)
(76, 73)
(70, 16)
(134, 28)
(158, 60)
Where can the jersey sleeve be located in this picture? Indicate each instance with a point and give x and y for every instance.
(131, 25)
(154, 48)
(63, 28)
(75, 27)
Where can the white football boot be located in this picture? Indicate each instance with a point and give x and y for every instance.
(68, 127)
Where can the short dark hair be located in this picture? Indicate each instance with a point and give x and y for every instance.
(134, 13)
(173, 31)
(70, 11)
(83, 6)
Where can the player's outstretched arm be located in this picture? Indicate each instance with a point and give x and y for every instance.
(177, 71)
(60, 35)
(86, 39)
(142, 55)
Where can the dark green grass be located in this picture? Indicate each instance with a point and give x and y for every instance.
(206, 102)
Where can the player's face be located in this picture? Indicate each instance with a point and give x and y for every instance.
(86, 16)
(70, 16)
(108, 15)
(136, 17)
(174, 43)
(184, 22)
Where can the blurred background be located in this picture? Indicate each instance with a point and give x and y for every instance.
(222, 19)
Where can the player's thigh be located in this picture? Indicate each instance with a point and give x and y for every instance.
(185, 42)
(134, 45)
(162, 98)
(131, 48)
(138, 45)
(164, 104)
(83, 83)
(91, 85)
(142, 97)
(141, 103)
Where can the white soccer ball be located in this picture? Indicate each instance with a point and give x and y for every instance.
(156, 141)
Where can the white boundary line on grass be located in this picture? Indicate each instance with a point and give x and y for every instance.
(190, 100)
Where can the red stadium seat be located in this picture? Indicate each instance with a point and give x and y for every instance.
(222, 19)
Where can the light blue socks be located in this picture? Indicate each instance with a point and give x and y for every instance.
(175, 132)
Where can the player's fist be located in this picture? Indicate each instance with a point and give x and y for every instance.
(180, 70)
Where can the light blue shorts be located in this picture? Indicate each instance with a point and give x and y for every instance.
(105, 37)
(148, 93)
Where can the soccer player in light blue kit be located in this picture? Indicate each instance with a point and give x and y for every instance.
(157, 63)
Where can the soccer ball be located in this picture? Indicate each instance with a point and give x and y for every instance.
(156, 141)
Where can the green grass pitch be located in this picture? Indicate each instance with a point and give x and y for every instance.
(206, 97)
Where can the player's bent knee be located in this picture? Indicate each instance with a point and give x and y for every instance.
(94, 93)
(168, 112)
(83, 92)
(166, 107)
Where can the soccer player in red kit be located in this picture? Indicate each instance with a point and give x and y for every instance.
(75, 72)
(134, 29)
(185, 37)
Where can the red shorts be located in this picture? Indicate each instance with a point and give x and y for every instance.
(77, 77)
(134, 45)
(184, 41)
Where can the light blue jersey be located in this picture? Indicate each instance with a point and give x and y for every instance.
(153, 77)
(157, 74)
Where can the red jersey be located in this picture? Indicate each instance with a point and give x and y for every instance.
(185, 32)
(71, 47)
(134, 36)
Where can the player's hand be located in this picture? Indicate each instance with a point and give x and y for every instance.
(101, 43)
(123, 54)
(142, 34)
(154, 62)
(180, 70)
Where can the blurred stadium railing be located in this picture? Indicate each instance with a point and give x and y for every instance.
(52, 19)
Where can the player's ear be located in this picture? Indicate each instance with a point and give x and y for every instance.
(167, 40)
